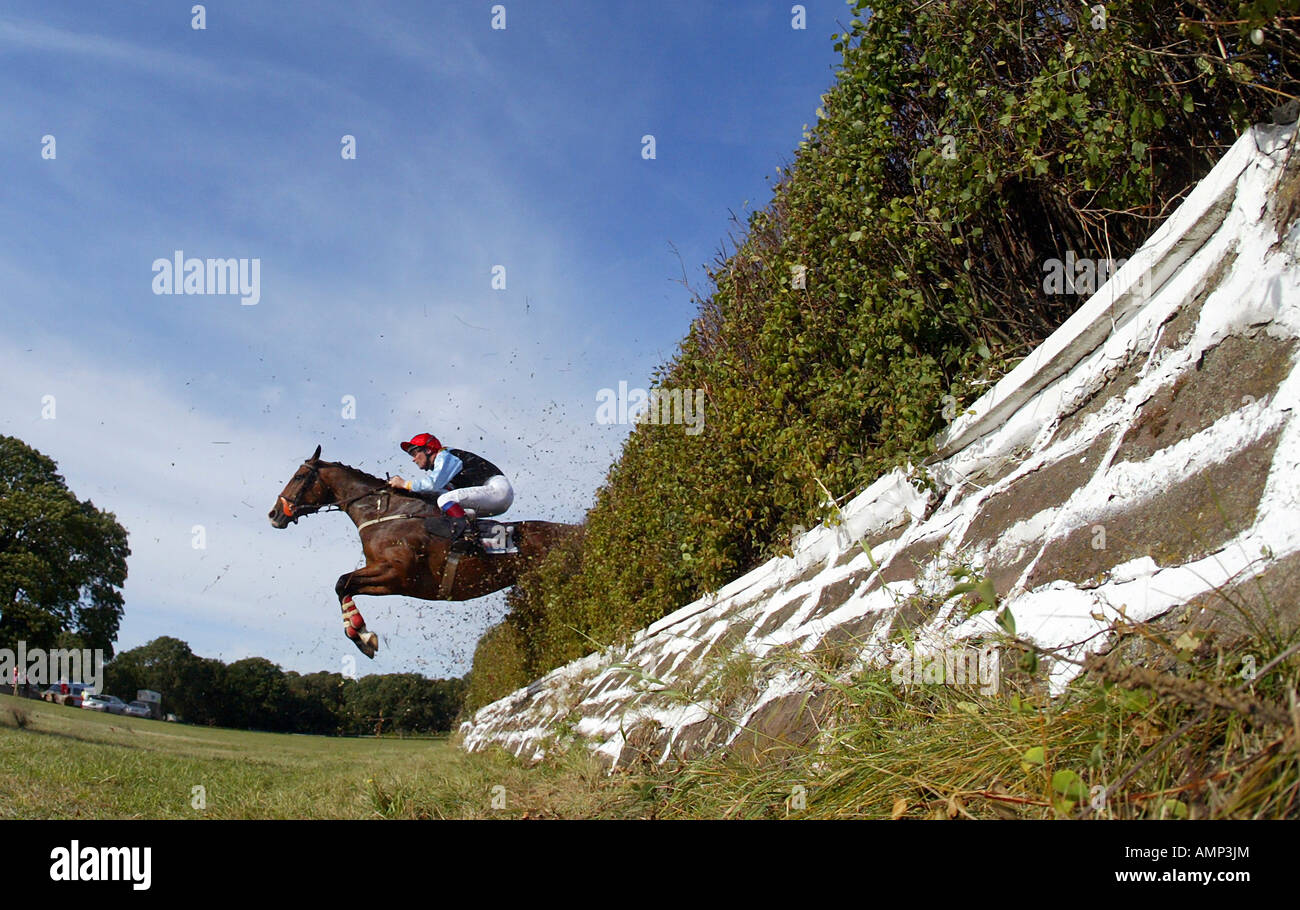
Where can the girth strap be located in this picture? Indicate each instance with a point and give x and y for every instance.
(375, 521)
(448, 575)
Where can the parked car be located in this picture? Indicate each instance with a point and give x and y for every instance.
(137, 709)
(65, 694)
(110, 703)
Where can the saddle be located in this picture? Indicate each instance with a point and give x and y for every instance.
(494, 536)
(438, 525)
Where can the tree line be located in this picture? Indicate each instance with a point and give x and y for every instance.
(256, 694)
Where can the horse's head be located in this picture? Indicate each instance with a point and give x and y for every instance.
(305, 493)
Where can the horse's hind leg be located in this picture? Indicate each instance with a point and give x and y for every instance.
(354, 626)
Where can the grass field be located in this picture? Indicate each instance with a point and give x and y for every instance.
(60, 763)
(70, 763)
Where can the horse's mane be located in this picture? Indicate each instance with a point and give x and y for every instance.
(355, 472)
(370, 479)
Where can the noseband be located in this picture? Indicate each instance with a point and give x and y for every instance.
(294, 510)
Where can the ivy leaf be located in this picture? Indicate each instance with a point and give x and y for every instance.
(1021, 707)
(1007, 621)
(1029, 662)
(1172, 807)
(1064, 806)
(1068, 784)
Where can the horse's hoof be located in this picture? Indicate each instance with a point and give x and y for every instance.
(367, 642)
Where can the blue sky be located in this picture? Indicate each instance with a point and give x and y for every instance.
(475, 148)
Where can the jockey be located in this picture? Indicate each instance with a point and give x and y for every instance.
(462, 480)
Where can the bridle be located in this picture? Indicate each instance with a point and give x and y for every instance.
(293, 510)
(296, 509)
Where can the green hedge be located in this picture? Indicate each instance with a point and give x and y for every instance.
(500, 666)
(962, 147)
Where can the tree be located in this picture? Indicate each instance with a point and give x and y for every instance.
(317, 701)
(258, 695)
(190, 685)
(406, 702)
(62, 561)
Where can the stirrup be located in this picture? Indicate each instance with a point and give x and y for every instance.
(467, 545)
(465, 539)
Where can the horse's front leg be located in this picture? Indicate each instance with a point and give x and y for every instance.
(371, 579)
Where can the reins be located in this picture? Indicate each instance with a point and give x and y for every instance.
(296, 509)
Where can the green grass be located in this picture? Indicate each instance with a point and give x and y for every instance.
(59, 762)
(70, 763)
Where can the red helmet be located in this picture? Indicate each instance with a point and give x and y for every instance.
(422, 441)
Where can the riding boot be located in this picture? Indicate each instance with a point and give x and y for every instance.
(464, 536)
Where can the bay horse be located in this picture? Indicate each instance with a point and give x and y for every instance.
(401, 556)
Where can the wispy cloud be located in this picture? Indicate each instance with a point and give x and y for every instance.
(246, 75)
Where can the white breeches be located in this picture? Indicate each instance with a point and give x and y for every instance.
(492, 498)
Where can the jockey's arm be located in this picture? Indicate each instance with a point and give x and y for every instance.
(445, 466)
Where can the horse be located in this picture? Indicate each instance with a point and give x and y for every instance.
(402, 557)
